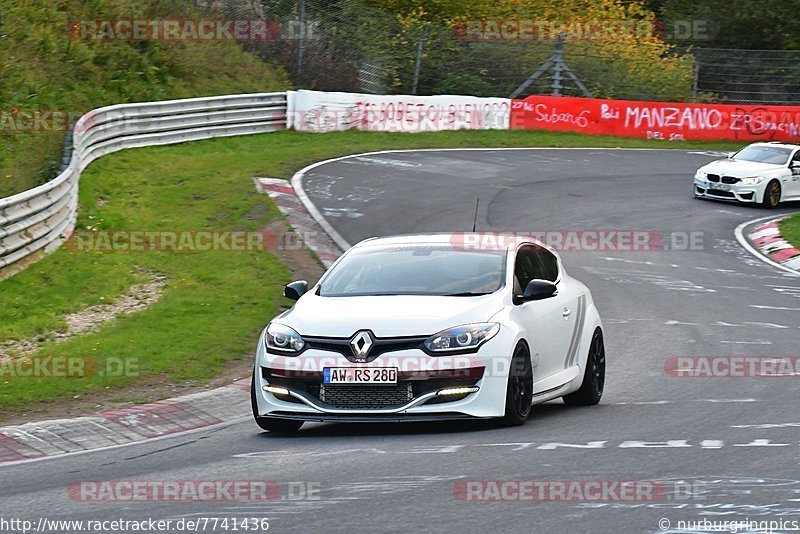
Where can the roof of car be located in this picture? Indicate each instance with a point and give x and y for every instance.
(495, 240)
(779, 145)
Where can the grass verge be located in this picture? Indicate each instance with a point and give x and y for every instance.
(790, 229)
(215, 303)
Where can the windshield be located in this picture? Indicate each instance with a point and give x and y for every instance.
(764, 154)
(415, 270)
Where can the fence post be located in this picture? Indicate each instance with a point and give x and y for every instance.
(695, 78)
(301, 15)
(558, 65)
(418, 63)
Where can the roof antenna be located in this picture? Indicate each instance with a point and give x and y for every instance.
(475, 220)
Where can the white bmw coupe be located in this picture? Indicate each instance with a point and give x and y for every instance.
(430, 327)
(761, 173)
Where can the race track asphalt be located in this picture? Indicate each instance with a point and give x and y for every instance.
(715, 448)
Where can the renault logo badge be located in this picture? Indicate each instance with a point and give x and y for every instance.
(361, 344)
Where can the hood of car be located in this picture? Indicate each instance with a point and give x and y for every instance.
(387, 316)
(739, 169)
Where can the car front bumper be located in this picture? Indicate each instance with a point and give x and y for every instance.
(733, 192)
(292, 387)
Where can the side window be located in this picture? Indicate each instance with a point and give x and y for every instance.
(548, 264)
(534, 262)
(523, 269)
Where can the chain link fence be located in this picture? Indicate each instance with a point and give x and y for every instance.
(344, 45)
(748, 76)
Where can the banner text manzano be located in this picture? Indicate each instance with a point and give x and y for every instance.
(657, 120)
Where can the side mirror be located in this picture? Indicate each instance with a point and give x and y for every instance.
(539, 290)
(295, 290)
(795, 164)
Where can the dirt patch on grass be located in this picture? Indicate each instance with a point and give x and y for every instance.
(137, 298)
(300, 263)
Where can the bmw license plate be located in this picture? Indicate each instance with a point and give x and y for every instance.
(719, 187)
(360, 375)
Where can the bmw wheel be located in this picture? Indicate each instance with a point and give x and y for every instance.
(772, 195)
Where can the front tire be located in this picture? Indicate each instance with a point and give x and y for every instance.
(772, 195)
(519, 392)
(594, 376)
(271, 424)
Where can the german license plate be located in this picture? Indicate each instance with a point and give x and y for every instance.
(359, 375)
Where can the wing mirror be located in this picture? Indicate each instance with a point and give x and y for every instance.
(295, 290)
(539, 290)
(795, 164)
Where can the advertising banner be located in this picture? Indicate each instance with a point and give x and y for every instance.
(657, 120)
(314, 111)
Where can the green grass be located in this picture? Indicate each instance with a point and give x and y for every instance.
(42, 68)
(215, 303)
(790, 229)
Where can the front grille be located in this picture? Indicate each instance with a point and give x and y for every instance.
(379, 345)
(712, 177)
(350, 396)
(410, 386)
(730, 180)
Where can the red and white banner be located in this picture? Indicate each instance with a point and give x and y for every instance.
(316, 111)
(657, 120)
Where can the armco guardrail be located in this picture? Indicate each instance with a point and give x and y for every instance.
(39, 220)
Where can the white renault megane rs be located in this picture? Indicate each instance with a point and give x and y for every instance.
(430, 327)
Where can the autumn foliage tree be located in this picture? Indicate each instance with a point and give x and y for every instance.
(613, 46)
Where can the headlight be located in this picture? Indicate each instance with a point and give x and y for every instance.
(700, 174)
(281, 338)
(468, 336)
(753, 180)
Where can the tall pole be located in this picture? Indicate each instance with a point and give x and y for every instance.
(696, 77)
(418, 62)
(558, 65)
(301, 15)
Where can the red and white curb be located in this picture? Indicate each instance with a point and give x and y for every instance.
(305, 225)
(115, 428)
(766, 238)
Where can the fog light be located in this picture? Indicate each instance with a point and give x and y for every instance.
(276, 390)
(458, 391)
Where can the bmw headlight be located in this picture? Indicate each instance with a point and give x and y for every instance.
(700, 174)
(468, 336)
(281, 338)
(753, 180)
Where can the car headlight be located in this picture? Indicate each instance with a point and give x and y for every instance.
(753, 180)
(700, 174)
(468, 336)
(281, 338)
